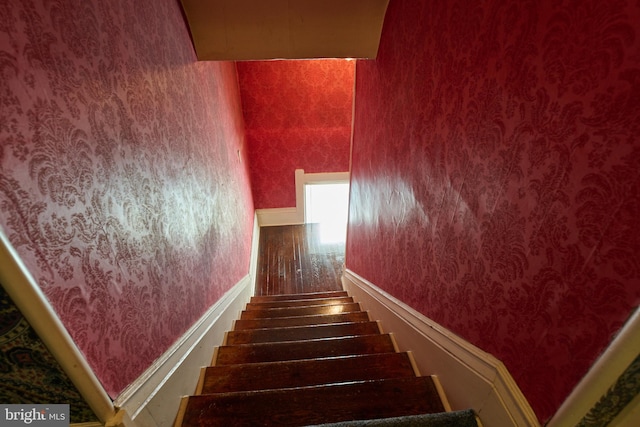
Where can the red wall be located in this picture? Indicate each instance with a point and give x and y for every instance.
(496, 177)
(120, 184)
(297, 116)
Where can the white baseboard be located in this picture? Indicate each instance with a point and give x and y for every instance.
(154, 398)
(471, 378)
(26, 294)
(279, 216)
(601, 380)
(296, 215)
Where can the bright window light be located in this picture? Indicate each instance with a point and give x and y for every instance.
(328, 205)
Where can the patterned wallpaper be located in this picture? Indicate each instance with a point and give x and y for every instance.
(123, 178)
(496, 177)
(297, 116)
(28, 371)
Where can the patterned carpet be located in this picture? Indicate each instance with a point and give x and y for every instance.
(465, 418)
(617, 397)
(28, 371)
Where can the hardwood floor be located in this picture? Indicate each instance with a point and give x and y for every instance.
(293, 259)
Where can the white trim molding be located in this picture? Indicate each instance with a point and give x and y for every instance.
(154, 398)
(34, 306)
(602, 376)
(295, 215)
(255, 242)
(470, 377)
(278, 216)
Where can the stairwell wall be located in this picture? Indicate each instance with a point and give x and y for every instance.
(297, 116)
(124, 185)
(495, 178)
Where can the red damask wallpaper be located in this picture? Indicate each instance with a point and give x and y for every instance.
(123, 174)
(496, 177)
(297, 116)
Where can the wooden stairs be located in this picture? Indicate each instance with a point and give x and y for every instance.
(304, 359)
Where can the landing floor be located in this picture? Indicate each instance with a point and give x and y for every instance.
(293, 259)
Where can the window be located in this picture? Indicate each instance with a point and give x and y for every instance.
(328, 205)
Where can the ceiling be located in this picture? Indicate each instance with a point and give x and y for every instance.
(285, 29)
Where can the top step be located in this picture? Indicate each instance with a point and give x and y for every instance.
(298, 303)
(300, 311)
(308, 295)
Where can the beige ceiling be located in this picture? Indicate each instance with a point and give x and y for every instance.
(285, 29)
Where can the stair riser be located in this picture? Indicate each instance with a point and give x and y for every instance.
(283, 322)
(298, 303)
(301, 333)
(270, 352)
(289, 297)
(300, 311)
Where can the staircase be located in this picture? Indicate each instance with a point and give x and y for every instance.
(305, 359)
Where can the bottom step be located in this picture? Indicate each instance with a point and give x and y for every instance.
(313, 405)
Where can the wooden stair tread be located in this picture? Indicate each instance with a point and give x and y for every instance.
(307, 295)
(299, 373)
(294, 333)
(300, 311)
(298, 303)
(318, 319)
(314, 404)
(302, 359)
(309, 349)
